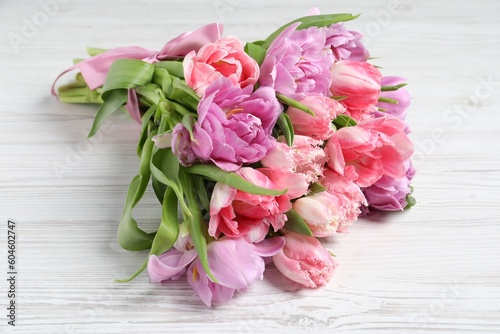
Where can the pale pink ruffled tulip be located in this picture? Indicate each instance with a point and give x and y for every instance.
(318, 126)
(305, 157)
(351, 198)
(321, 212)
(305, 260)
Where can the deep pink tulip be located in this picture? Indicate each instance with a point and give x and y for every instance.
(224, 58)
(359, 82)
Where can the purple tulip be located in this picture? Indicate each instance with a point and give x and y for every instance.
(345, 44)
(235, 263)
(401, 95)
(297, 63)
(234, 126)
(388, 193)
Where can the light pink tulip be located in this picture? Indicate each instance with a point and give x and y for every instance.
(350, 196)
(305, 260)
(305, 157)
(224, 58)
(318, 126)
(321, 212)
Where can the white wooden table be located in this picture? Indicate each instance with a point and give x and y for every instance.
(433, 269)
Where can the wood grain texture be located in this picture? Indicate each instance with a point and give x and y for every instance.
(433, 269)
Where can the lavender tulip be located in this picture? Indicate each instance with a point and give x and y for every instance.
(235, 263)
(297, 63)
(345, 44)
(388, 193)
(234, 126)
(401, 95)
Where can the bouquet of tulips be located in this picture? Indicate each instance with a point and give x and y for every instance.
(254, 151)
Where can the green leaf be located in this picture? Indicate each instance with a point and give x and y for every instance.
(295, 104)
(197, 225)
(130, 236)
(113, 101)
(159, 188)
(311, 21)
(169, 227)
(94, 51)
(167, 232)
(392, 88)
(123, 74)
(342, 121)
(188, 122)
(316, 188)
(387, 100)
(410, 200)
(127, 74)
(296, 223)
(255, 51)
(150, 92)
(183, 93)
(165, 168)
(231, 179)
(173, 67)
(286, 126)
(144, 131)
(339, 98)
(201, 190)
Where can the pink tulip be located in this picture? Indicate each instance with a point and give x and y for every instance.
(321, 212)
(388, 193)
(350, 197)
(374, 148)
(305, 260)
(306, 157)
(224, 58)
(318, 126)
(358, 81)
(235, 213)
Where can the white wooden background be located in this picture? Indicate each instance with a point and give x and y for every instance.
(433, 269)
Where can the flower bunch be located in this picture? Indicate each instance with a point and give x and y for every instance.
(262, 148)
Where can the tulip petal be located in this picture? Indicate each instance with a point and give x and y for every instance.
(169, 265)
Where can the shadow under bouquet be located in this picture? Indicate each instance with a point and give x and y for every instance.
(261, 148)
